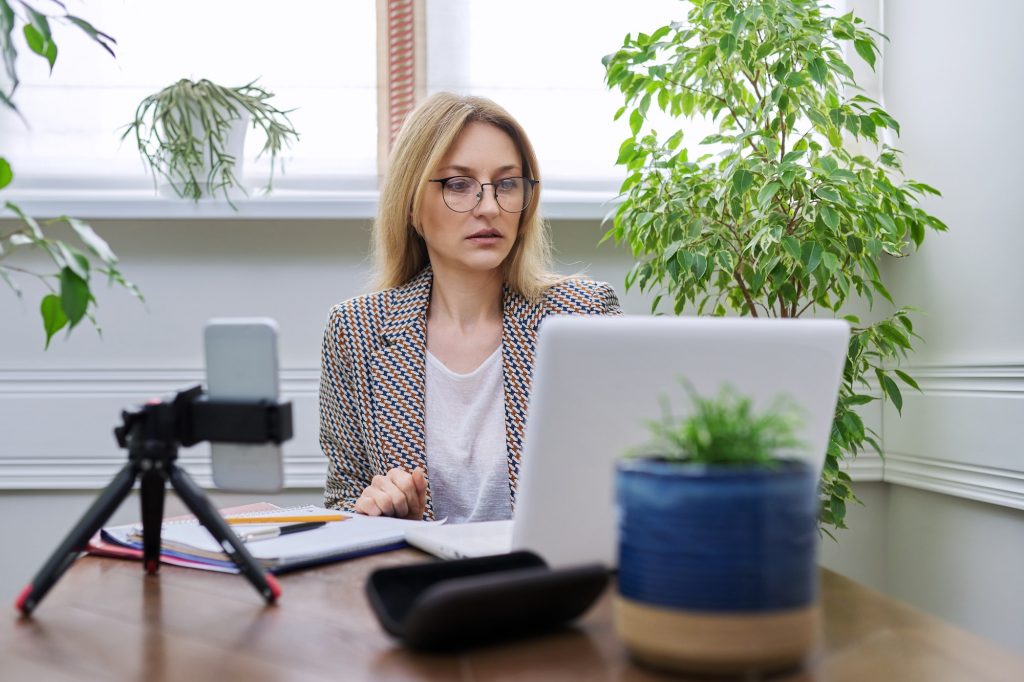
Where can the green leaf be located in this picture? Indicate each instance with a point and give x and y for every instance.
(73, 259)
(636, 121)
(830, 216)
(811, 256)
(74, 296)
(742, 180)
(892, 391)
(839, 510)
(887, 223)
(818, 69)
(792, 247)
(727, 44)
(54, 318)
(917, 232)
(660, 33)
(687, 102)
(674, 141)
(866, 49)
(792, 156)
(894, 335)
(627, 151)
(795, 79)
(38, 36)
(99, 37)
(51, 54)
(828, 194)
(768, 192)
(706, 55)
(39, 22)
(6, 174)
(830, 262)
(36, 41)
(700, 265)
(37, 231)
(907, 379)
(92, 241)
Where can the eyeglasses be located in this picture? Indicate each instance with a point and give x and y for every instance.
(462, 194)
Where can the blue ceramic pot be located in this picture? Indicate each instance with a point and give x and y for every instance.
(718, 547)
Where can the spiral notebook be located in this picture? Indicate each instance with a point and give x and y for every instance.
(186, 543)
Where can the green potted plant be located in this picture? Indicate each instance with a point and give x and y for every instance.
(717, 540)
(785, 215)
(192, 134)
(69, 298)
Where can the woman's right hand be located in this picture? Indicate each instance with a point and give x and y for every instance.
(398, 493)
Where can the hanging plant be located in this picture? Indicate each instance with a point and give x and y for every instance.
(191, 134)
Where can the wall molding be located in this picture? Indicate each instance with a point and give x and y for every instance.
(94, 473)
(961, 435)
(964, 379)
(975, 474)
(867, 467)
(80, 397)
(1003, 487)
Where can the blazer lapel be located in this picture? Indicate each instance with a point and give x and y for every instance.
(397, 383)
(519, 341)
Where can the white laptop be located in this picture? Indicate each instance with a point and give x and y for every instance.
(598, 381)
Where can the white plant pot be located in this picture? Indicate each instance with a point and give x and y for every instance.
(234, 145)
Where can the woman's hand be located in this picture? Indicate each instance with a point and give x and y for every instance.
(398, 493)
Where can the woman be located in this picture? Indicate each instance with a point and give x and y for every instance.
(430, 375)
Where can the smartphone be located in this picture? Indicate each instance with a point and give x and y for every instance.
(241, 364)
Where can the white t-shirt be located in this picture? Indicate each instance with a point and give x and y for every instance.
(467, 457)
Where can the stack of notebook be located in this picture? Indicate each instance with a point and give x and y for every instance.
(186, 543)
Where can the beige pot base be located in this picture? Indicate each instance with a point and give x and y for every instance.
(716, 643)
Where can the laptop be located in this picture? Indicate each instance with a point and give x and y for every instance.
(598, 381)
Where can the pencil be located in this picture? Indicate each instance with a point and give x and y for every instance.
(311, 518)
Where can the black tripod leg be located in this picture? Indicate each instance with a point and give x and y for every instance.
(151, 497)
(195, 500)
(75, 542)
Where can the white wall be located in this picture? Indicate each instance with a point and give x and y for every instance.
(951, 78)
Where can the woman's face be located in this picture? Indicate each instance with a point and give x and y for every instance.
(480, 239)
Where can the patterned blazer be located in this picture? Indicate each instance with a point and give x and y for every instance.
(373, 375)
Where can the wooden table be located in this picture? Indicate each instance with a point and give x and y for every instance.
(106, 620)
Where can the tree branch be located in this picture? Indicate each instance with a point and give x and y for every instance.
(746, 293)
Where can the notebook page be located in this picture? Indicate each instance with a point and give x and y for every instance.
(353, 534)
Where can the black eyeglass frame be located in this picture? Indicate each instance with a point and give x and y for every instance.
(480, 194)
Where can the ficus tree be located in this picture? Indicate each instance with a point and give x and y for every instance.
(70, 292)
(796, 201)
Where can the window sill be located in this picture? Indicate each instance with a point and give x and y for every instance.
(585, 200)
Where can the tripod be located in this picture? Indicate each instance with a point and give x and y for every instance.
(152, 435)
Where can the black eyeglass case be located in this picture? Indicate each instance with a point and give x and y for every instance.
(448, 605)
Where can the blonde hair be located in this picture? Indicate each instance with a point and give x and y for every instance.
(399, 251)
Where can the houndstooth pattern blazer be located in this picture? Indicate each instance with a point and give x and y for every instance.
(373, 375)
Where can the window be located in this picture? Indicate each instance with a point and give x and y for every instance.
(541, 60)
(317, 56)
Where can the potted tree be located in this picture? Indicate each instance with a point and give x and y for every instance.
(795, 205)
(192, 134)
(717, 540)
